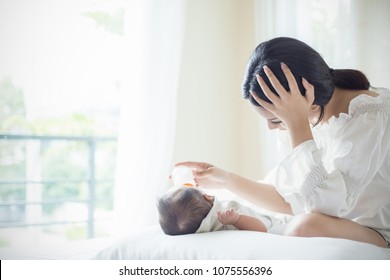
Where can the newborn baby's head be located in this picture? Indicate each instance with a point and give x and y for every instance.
(182, 211)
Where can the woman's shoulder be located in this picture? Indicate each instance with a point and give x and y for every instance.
(374, 100)
(367, 104)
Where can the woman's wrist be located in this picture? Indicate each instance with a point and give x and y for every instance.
(299, 133)
(230, 179)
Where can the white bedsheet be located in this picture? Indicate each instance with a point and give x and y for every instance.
(72, 250)
(151, 243)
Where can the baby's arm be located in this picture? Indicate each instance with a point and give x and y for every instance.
(242, 222)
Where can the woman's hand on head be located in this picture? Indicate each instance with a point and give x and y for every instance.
(292, 108)
(207, 175)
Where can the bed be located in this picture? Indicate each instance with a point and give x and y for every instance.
(150, 243)
(71, 250)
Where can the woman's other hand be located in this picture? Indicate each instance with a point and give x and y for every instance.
(207, 175)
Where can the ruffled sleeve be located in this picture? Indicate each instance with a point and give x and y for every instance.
(328, 175)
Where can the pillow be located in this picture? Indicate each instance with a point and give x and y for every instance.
(150, 243)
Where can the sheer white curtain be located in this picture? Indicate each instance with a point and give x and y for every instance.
(330, 26)
(154, 35)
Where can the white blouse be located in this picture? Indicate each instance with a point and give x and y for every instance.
(345, 170)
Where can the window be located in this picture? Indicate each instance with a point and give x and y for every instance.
(60, 82)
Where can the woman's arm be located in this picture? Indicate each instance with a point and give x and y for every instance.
(260, 194)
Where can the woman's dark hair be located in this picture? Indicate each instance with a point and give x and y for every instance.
(182, 211)
(304, 62)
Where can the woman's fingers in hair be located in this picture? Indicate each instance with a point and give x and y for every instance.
(263, 103)
(274, 82)
(292, 82)
(267, 92)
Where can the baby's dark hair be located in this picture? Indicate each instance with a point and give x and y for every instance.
(182, 211)
(304, 62)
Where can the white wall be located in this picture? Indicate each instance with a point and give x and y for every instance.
(373, 40)
(214, 123)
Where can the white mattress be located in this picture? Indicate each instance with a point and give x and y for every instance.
(72, 250)
(151, 243)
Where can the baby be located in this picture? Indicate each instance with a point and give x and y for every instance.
(188, 210)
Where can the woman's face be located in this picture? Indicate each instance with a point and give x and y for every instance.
(274, 123)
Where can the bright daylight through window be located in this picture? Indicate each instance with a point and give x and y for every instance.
(60, 78)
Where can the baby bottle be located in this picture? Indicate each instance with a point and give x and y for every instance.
(182, 177)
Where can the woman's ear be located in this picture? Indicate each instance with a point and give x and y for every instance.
(315, 111)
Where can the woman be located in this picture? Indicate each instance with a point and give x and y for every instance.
(336, 180)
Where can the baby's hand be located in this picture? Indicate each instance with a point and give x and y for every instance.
(229, 217)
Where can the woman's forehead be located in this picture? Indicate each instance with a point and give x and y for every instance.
(263, 112)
